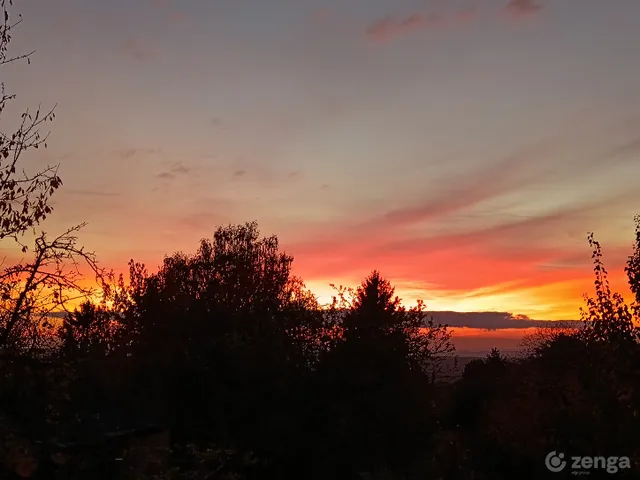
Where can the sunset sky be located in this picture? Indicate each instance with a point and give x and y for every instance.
(465, 149)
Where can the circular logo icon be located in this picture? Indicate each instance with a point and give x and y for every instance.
(555, 461)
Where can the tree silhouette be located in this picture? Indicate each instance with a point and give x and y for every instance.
(375, 297)
(205, 297)
(33, 384)
(532, 344)
(24, 197)
(607, 317)
(633, 265)
(374, 311)
(372, 384)
(32, 291)
(223, 339)
(89, 330)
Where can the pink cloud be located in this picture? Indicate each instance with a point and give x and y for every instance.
(518, 9)
(388, 28)
(505, 176)
(529, 251)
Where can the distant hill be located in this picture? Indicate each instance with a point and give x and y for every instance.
(483, 320)
(452, 367)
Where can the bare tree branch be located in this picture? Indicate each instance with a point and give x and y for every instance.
(52, 282)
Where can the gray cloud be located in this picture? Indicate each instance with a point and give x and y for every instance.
(176, 169)
(631, 147)
(179, 168)
(494, 320)
(205, 213)
(132, 152)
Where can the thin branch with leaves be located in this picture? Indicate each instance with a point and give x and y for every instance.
(24, 197)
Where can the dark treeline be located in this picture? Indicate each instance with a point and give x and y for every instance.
(221, 365)
(225, 364)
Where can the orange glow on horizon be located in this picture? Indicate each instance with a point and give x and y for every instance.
(559, 300)
(553, 301)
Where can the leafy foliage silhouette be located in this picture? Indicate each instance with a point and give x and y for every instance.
(24, 197)
(230, 352)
